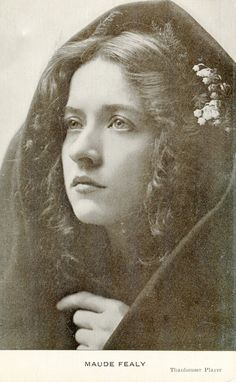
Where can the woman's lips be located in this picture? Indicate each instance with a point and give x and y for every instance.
(86, 188)
(85, 185)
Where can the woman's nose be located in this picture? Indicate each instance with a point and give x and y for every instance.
(86, 149)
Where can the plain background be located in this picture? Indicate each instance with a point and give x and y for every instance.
(31, 30)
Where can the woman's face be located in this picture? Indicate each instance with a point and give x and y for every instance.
(107, 150)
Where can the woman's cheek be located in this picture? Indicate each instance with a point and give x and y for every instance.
(131, 171)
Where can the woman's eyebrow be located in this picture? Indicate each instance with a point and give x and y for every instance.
(74, 110)
(122, 107)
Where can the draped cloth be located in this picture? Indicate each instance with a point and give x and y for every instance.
(186, 303)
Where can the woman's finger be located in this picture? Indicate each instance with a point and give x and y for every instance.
(82, 347)
(84, 336)
(85, 319)
(83, 300)
(94, 339)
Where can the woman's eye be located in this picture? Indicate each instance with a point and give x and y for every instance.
(121, 124)
(73, 124)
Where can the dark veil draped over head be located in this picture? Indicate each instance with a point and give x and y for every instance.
(186, 301)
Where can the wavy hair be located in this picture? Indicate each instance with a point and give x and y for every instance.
(188, 175)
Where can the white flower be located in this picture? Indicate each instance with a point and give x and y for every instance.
(206, 72)
(201, 121)
(225, 87)
(212, 87)
(215, 113)
(216, 122)
(197, 113)
(215, 102)
(196, 68)
(207, 113)
(206, 80)
(210, 112)
(214, 95)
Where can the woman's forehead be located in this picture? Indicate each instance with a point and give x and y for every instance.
(100, 84)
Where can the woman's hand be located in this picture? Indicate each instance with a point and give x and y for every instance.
(96, 317)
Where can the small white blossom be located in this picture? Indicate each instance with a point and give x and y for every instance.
(207, 113)
(212, 87)
(214, 95)
(214, 102)
(210, 112)
(225, 87)
(197, 113)
(201, 121)
(206, 80)
(216, 122)
(196, 68)
(206, 72)
(215, 113)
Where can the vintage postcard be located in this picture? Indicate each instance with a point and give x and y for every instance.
(117, 190)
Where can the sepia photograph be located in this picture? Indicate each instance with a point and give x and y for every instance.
(117, 186)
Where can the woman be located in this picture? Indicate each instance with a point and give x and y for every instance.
(113, 192)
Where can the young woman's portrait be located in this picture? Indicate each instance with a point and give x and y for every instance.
(117, 193)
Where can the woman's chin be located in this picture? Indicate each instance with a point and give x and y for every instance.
(89, 213)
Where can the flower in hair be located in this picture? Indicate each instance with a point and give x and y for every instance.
(211, 106)
(198, 67)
